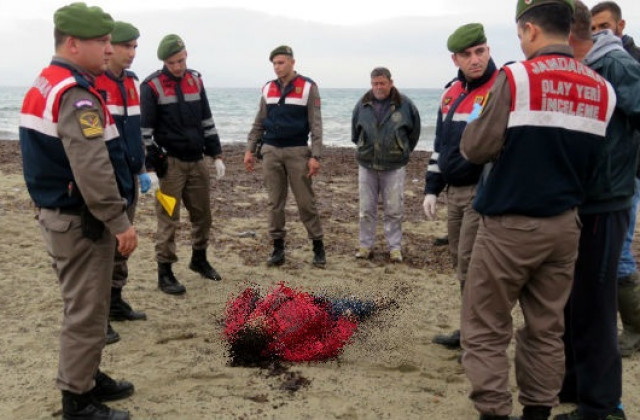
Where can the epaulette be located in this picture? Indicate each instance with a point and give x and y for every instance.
(129, 73)
(152, 76)
(308, 79)
(509, 62)
(195, 73)
(452, 81)
(80, 79)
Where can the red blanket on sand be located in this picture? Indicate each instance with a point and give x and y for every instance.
(301, 327)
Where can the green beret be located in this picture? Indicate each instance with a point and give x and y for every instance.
(524, 5)
(282, 49)
(466, 36)
(170, 45)
(81, 21)
(124, 32)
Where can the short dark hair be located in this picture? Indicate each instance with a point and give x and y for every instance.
(58, 38)
(552, 18)
(608, 6)
(250, 347)
(381, 71)
(581, 26)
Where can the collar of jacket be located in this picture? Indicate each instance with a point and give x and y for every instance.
(553, 49)
(283, 86)
(113, 77)
(394, 95)
(170, 75)
(473, 84)
(74, 68)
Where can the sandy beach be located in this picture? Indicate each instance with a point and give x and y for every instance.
(177, 359)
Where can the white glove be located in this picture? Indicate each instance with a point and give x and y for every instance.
(155, 183)
(429, 205)
(220, 168)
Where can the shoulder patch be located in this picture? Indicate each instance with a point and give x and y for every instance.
(84, 103)
(90, 124)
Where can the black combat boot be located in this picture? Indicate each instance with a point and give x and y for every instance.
(277, 256)
(441, 241)
(200, 265)
(86, 407)
(107, 389)
(167, 282)
(120, 310)
(536, 412)
(319, 256)
(112, 335)
(451, 341)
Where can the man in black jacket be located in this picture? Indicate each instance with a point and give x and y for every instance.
(178, 130)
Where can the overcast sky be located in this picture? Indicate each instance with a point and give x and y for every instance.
(335, 42)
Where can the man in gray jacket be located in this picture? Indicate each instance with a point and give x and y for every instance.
(385, 128)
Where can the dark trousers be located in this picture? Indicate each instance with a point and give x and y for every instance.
(593, 376)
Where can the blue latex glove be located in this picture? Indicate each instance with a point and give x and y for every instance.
(145, 182)
(475, 113)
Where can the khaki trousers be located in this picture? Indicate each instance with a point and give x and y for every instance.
(84, 269)
(531, 261)
(462, 225)
(187, 182)
(284, 167)
(120, 267)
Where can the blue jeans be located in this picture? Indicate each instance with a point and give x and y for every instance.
(359, 308)
(627, 264)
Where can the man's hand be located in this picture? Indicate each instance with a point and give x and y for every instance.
(314, 167)
(220, 168)
(127, 241)
(248, 161)
(429, 205)
(155, 182)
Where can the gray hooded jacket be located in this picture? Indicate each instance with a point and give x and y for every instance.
(613, 183)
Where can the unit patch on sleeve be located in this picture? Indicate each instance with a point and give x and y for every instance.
(90, 124)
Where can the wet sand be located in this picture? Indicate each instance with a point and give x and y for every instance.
(177, 359)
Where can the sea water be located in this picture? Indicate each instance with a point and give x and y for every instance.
(234, 110)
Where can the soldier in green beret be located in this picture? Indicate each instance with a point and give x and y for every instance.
(122, 96)
(540, 139)
(178, 131)
(69, 143)
(448, 171)
(289, 111)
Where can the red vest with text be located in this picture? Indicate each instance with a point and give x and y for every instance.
(560, 109)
